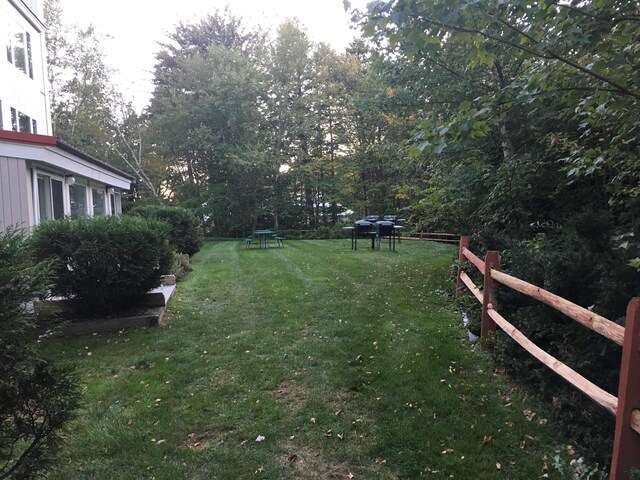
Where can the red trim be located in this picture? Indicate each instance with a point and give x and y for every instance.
(50, 141)
(29, 138)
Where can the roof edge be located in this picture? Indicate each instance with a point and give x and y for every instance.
(51, 141)
(67, 147)
(29, 15)
(32, 138)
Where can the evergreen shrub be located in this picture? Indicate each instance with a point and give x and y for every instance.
(108, 263)
(37, 398)
(319, 233)
(185, 232)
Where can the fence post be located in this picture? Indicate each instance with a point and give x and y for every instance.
(626, 441)
(464, 243)
(491, 261)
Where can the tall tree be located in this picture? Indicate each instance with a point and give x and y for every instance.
(526, 131)
(205, 115)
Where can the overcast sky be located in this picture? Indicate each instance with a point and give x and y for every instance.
(136, 27)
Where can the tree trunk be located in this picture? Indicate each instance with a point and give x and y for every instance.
(508, 149)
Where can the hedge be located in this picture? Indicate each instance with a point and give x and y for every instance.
(107, 262)
(184, 228)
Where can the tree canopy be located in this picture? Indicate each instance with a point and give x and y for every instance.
(515, 122)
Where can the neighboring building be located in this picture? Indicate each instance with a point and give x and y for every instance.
(41, 177)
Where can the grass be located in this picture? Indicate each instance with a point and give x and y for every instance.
(349, 364)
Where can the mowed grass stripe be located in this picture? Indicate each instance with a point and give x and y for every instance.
(347, 362)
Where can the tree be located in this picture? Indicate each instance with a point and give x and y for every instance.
(208, 86)
(37, 398)
(526, 122)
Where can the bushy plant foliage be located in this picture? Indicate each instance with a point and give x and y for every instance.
(36, 397)
(107, 262)
(533, 154)
(184, 234)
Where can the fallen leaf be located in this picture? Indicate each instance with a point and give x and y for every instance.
(260, 470)
(380, 460)
(448, 450)
(293, 458)
(260, 438)
(313, 420)
(498, 466)
(160, 442)
(350, 475)
(486, 439)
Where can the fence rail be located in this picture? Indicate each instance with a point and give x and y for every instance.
(626, 406)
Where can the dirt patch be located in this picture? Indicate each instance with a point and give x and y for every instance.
(305, 330)
(201, 441)
(306, 462)
(292, 394)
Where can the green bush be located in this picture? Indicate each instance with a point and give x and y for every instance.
(107, 262)
(36, 397)
(180, 265)
(320, 233)
(184, 234)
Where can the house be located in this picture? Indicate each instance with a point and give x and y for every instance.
(42, 177)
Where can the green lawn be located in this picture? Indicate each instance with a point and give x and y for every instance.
(349, 364)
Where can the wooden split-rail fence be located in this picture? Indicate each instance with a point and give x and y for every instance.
(626, 406)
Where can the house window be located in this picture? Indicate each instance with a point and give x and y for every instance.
(50, 202)
(112, 203)
(98, 198)
(19, 51)
(78, 200)
(23, 123)
(29, 56)
(14, 120)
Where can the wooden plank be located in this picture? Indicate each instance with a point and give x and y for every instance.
(635, 421)
(626, 441)
(438, 233)
(444, 240)
(595, 393)
(589, 319)
(473, 259)
(464, 243)
(471, 286)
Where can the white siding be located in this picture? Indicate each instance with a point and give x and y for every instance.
(17, 89)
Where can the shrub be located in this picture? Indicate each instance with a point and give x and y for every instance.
(320, 233)
(180, 265)
(36, 397)
(107, 262)
(184, 234)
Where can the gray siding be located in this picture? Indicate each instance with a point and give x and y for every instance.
(14, 193)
